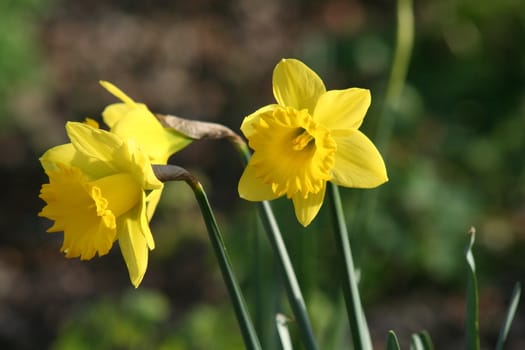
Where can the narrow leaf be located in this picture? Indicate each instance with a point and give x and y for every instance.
(282, 328)
(356, 316)
(391, 342)
(511, 312)
(425, 339)
(416, 343)
(472, 322)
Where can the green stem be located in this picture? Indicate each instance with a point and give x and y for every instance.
(360, 333)
(248, 332)
(295, 296)
(174, 173)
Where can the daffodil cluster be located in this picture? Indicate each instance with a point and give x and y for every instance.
(102, 187)
(310, 136)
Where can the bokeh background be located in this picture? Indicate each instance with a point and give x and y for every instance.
(455, 159)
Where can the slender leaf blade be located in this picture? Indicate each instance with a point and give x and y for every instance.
(391, 342)
(472, 320)
(282, 329)
(509, 317)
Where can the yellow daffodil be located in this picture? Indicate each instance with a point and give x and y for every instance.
(309, 137)
(133, 120)
(97, 194)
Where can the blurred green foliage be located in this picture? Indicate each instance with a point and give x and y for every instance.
(455, 158)
(20, 54)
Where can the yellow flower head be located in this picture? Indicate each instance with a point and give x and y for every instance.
(133, 120)
(97, 194)
(309, 137)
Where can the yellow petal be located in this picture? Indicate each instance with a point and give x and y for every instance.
(113, 113)
(115, 91)
(158, 143)
(306, 209)
(131, 159)
(121, 191)
(342, 109)
(253, 189)
(92, 142)
(358, 163)
(144, 223)
(248, 122)
(133, 246)
(296, 85)
(67, 154)
(152, 200)
(62, 154)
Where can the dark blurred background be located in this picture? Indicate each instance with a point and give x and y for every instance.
(455, 159)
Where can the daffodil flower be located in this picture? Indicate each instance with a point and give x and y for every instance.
(309, 137)
(133, 120)
(97, 194)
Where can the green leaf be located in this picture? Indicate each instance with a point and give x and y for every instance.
(416, 343)
(391, 342)
(425, 339)
(284, 334)
(472, 322)
(509, 317)
(356, 316)
(421, 341)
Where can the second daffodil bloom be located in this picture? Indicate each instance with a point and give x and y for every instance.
(97, 194)
(309, 137)
(133, 120)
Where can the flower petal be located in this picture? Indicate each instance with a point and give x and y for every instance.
(253, 189)
(144, 223)
(62, 154)
(115, 91)
(96, 143)
(133, 246)
(131, 159)
(296, 85)
(248, 122)
(153, 199)
(306, 209)
(358, 163)
(67, 154)
(342, 109)
(153, 138)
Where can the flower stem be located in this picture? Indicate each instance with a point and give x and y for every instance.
(295, 296)
(171, 172)
(360, 333)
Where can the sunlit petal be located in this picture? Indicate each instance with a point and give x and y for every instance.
(144, 222)
(247, 123)
(342, 109)
(295, 85)
(358, 163)
(253, 189)
(306, 209)
(93, 142)
(133, 246)
(152, 200)
(115, 91)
